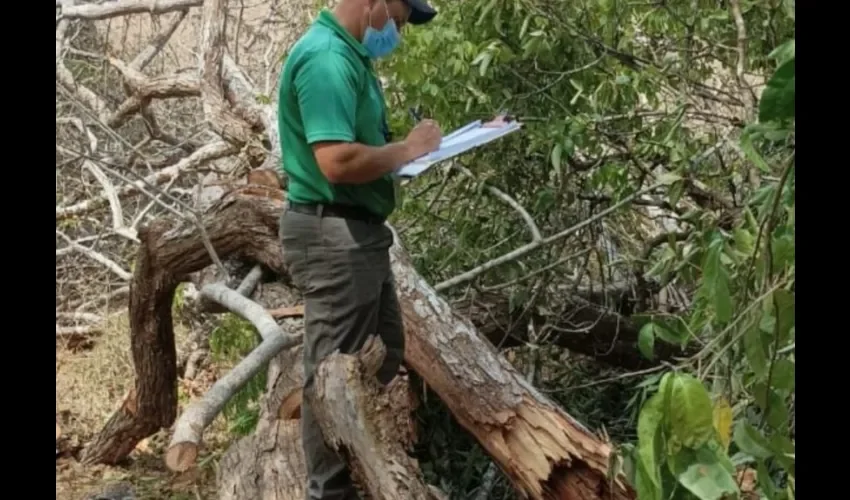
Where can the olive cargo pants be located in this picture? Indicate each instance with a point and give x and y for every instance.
(342, 267)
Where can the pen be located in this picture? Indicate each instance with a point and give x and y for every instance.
(415, 115)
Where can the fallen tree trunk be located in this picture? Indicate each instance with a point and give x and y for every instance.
(541, 449)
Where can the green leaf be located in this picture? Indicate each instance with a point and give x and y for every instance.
(556, 157)
(675, 192)
(673, 331)
(705, 474)
(755, 351)
(716, 282)
(690, 412)
(784, 301)
(790, 9)
(766, 484)
(773, 403)
(647, 488)
(783, 253)
(524, 29)
(783, 452)
(744, 241)
(750, 441)
(749, 150)
(784, 52)
(646, 341)
(722, 417)
(783, 375)
(649, 437)
(668, 178)
(778, 97)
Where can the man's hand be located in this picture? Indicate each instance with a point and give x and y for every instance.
(424, 138)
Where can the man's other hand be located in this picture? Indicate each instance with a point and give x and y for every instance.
(424, 138)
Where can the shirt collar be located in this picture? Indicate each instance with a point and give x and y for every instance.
(327, 19)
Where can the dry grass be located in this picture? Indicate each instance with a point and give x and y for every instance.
(90, 385)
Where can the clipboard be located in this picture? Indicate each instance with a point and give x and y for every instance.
(470, 136)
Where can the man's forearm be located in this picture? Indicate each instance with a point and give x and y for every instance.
(355, 163)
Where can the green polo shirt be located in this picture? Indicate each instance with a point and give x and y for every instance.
(329, 92)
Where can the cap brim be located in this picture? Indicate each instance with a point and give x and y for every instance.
(420, 12)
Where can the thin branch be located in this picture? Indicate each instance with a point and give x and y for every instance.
(183, 449)
(165, 33)
(246, 288)
(111, 195)
(79, 316)
(537, 272)
(498, 193)
(118, 8)
(64, 75)
(203, 155)
(76, 331)
(96, 256)
(530, 247)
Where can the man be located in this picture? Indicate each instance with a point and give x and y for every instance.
(338, 158)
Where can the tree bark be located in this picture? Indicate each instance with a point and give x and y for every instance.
(361, 421)
(240, 225)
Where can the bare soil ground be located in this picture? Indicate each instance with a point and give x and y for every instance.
(89, 385)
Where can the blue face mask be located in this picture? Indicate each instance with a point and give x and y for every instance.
(380, 43)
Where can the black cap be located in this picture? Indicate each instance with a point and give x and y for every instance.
(420, 11)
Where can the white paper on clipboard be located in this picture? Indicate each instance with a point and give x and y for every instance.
(469, 136)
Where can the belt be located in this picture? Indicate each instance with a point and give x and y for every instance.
(335, 210)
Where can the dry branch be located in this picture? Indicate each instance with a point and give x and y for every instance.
(116, 8)
(95, 256)
(74, 331)
(536, 244)
(203, 155)
(146, 55)
(79, 316)
(188, 431)
(217, 112)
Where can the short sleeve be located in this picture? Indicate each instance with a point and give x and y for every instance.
(326, 86)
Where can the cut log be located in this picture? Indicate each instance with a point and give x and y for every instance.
(359, 420)
(269, 464)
